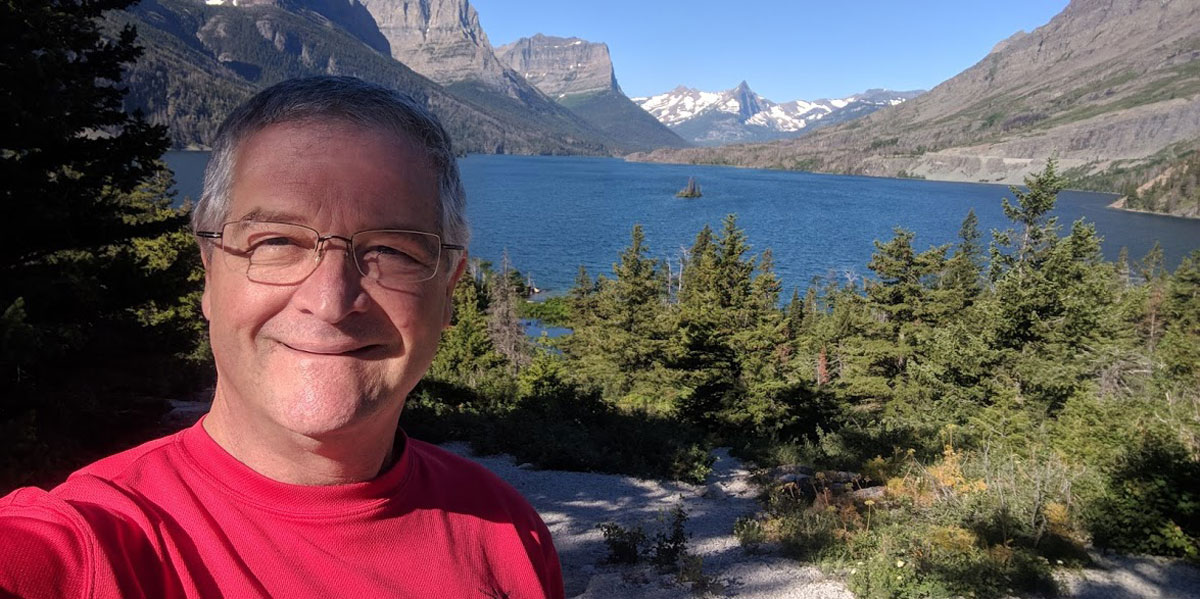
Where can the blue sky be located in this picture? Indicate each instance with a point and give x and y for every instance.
(784, 50)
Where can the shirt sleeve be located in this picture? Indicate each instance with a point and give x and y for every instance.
(551, 568)
(45, 549)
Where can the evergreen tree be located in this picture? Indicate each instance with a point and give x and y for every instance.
(503, 325)
(466, 354)
(1028, 244)
(620, 347)
(70, 155)
(1180, 348)
(99, 278)
(965, 267)
(697, 285)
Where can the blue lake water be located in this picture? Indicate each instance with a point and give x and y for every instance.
(552, 214)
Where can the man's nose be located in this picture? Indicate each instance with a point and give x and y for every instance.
(334, 289)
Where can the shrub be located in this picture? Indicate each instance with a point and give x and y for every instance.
(1151, 504)
(625, 545)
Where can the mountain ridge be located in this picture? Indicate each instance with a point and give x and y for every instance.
(740, 115)
(201, 60)
(1106, 86)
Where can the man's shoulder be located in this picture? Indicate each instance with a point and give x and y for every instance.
(130, 465)
(464, 480)
(449, 466)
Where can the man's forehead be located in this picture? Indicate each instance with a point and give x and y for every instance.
(312, 167)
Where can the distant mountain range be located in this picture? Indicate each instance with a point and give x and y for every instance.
(739, 115)
(203, 57)
(1109, 87)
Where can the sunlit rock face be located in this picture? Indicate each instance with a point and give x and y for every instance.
(442, 40)
(561, 66)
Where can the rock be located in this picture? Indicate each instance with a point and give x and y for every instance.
(796, 468)
(792, 477)
(712, 491)
(872, 493)
(442, 40)
(561, 66)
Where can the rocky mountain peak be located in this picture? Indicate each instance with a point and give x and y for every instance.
(442, 39)
(561, 66)
(748, 102)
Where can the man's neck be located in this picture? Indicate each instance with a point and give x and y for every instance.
(344, 457)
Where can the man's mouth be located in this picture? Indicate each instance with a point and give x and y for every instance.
(349, 350)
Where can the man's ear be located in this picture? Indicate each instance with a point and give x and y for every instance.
(450, 285)
(206, 259)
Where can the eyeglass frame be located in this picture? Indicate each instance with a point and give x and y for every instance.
(321, 239)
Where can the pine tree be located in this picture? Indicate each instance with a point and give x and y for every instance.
(99, 278)
(1180, 348)
(466, 354)
(620, 346)
(503, 325)
(70, 155)
(965, 267)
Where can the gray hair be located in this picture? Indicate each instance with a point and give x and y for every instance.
(352, 100)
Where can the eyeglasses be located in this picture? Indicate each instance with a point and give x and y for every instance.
(285, 253)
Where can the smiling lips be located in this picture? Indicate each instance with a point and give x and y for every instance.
(333, 349)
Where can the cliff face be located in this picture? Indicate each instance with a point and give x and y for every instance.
(1105, 82)
(442, 40)
(561, 66)
(201, 60)
(579, 75)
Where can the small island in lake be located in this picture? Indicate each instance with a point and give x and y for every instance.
(691, 191)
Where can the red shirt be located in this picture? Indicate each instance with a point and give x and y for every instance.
(180, 517)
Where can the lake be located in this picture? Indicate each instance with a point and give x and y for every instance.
(553, 214)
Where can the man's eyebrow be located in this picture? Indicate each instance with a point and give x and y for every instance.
(279, 216)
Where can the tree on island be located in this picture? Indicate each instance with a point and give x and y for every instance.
(691, 191)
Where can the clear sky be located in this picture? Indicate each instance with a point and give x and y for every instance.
(785, 50)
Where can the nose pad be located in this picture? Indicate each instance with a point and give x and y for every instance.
(323, 245)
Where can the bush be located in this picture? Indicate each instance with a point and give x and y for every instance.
(666, 550)
(541, 419)
(1151, 504)
(625, 545)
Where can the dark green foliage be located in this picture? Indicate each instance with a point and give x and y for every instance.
(624, 544)
(1152, 504)
(552, 311)
(666, 549)
(99, 278)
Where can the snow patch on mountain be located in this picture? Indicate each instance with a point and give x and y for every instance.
(739, 114)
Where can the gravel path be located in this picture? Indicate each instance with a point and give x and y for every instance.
(573, 503)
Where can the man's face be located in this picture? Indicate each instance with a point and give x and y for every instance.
(334, 350)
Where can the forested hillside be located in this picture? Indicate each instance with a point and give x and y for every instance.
(954, 424)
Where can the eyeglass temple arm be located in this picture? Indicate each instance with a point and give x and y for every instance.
(453, 246)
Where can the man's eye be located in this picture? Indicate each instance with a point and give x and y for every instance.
(383, 251)
(275, 241)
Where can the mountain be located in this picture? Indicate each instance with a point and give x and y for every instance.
(443, 40)
(203, 58)
(740, 115)
(1109, 87)
(579, 75)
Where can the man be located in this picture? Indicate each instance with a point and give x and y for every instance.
(332, 230)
